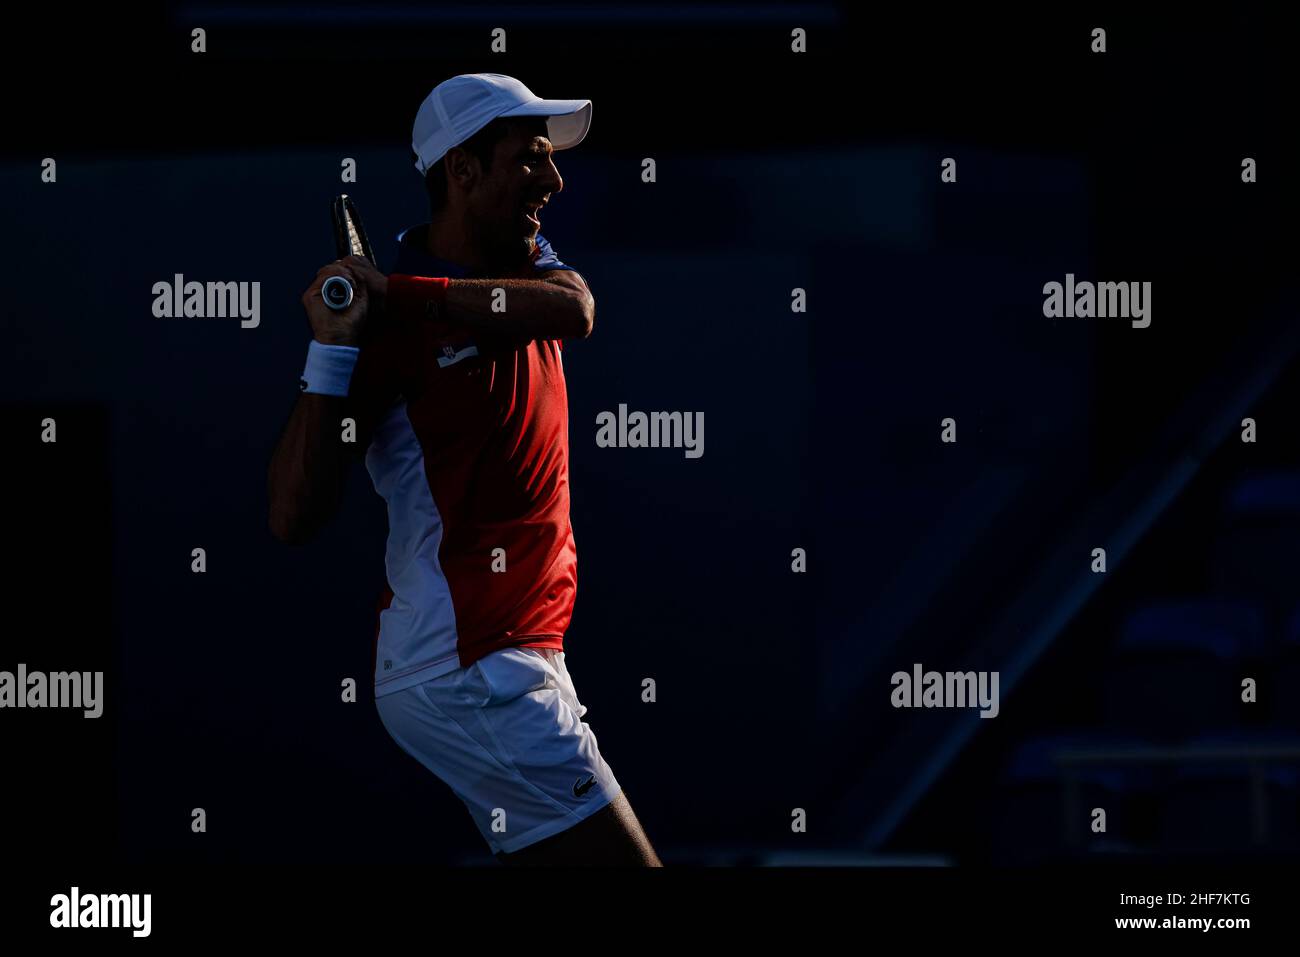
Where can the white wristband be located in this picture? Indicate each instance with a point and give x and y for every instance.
(329, 369)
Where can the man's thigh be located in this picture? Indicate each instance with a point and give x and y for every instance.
(507, 735)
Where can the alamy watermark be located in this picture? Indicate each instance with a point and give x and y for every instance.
(946, 689)
(59, 689)
(1102, 300)
(651, 430)
(179, 299)
(102, 910)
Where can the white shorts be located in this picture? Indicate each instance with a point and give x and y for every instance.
(506, 735)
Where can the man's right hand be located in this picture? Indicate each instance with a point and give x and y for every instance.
(340, 328)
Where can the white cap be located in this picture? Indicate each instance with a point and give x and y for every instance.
(460, 107)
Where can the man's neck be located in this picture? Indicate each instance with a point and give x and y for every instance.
(452, 240)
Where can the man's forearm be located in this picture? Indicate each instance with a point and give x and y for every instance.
(305, 480)
(523, 309)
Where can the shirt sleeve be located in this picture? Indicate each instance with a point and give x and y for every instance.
(545, 258)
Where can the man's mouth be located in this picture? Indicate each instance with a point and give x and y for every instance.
(531, 212)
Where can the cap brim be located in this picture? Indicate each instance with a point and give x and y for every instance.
(567, 120)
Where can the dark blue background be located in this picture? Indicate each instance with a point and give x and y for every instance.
(821, 429)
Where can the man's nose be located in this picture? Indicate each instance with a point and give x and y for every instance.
(551, 177)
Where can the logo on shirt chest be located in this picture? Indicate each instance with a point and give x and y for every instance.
(455, 352)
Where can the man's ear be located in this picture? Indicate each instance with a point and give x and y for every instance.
(462, 168)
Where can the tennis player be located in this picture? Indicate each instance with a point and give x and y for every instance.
(450, 371)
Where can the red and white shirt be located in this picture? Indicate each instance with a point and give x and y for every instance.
(469, 448)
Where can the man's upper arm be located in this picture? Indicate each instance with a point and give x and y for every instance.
(568, 276)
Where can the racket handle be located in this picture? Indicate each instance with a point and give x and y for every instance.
(337, 293)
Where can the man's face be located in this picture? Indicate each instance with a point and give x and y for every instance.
(506, 203)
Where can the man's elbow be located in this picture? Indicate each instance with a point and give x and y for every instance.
(585, 316)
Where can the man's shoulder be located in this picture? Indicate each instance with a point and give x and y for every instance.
(545, 257)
